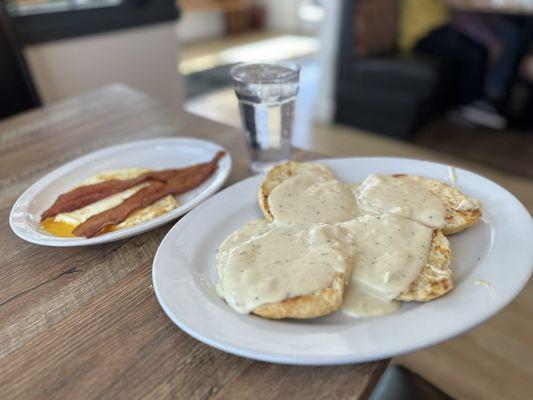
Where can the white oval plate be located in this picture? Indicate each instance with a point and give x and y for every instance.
(158, 153)
(498, 250)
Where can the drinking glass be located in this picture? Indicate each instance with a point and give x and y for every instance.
(267, 93)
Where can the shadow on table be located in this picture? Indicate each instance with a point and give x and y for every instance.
(398, 383)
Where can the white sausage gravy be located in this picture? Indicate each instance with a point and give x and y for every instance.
(391, 252)
(380, 194)
(378, 233)
(264, 263)
(312, 198)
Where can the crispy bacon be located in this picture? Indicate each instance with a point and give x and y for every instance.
(175, 184)
(84, 195)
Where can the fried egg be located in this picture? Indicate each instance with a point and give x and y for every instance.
(63, 224)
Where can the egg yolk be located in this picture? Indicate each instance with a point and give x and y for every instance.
(57, 228)
(62, 229)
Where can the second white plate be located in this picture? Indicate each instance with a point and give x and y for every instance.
(155, 154)
(498, 250)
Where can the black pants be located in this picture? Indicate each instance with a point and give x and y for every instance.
(466, 58)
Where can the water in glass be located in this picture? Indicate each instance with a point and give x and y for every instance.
(267, 94)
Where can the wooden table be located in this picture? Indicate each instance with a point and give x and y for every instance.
(84, 322)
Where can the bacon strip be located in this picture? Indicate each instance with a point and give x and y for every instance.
(84, 195)
(176, 184)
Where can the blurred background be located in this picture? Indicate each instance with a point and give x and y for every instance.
(451, 75)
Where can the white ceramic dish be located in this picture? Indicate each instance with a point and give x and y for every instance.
(498, 250)
(158, 153)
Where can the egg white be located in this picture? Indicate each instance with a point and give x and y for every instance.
(77, 217)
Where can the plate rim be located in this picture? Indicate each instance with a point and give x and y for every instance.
(35, 188)
(336, 359)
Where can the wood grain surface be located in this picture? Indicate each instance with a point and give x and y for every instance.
(84, 322)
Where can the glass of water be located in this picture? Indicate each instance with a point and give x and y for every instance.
(267, 93)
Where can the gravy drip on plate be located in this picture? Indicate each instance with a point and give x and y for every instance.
(468, 205)
(312, 198)
(360, 303)
(380, 194)
(265, 263)
(391, 252)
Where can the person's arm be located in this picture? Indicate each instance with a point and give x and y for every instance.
(475, 27)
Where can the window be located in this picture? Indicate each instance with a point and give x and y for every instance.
(37, 21)
(27, 7)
